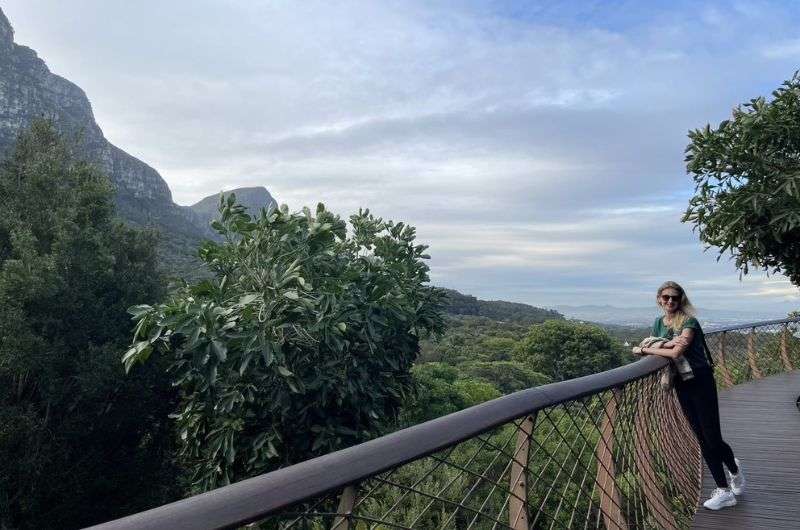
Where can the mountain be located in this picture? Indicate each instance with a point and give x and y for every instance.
(639, 316)
(28, 90)
(252, 198)
(459, 304)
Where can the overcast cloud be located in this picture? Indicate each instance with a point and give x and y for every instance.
(537, 147)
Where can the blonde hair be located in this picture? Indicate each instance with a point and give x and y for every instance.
(685, 307)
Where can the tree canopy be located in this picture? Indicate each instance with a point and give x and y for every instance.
(301, 343)
(562, 350)
(74, 431)
(747, 175)
(506, 376)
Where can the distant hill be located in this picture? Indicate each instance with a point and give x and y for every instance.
(468, 305)
(253, 199)
(644, 316)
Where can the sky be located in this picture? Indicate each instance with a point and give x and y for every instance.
(537, 146)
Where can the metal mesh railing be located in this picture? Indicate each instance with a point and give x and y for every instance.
(754, 351)
(615, 459)
(611, 450)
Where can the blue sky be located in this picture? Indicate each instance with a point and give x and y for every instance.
(537, 146)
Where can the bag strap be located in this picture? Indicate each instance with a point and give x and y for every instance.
(707, 349)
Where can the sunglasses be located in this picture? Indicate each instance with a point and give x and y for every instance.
(668, 297)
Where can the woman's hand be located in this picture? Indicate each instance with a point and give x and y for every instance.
(638, 350)
(679, 345)
(680, 340)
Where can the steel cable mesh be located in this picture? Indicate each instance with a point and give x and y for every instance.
(621, 458)
(746, 354)
(616, 459)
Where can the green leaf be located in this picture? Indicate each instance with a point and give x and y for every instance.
(248, 299)
(245, 361)
(139, 353)
(138, 310)
(220, 350)
(268, 354)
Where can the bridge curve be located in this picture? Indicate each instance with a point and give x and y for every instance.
(609, 450)
(761, 422)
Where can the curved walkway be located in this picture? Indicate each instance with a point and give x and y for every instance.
(761, 422)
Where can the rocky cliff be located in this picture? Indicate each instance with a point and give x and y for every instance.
(253, 199)
(28, 90)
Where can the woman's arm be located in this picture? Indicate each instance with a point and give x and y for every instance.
(676, 340)
(680, 342)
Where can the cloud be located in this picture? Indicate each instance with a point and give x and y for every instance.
(788, 49)
(537, 147)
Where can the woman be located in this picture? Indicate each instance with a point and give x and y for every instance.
(698, 395)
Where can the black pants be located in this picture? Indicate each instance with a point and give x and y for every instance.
(698, 399)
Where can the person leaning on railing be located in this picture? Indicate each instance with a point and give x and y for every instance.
(696, 389)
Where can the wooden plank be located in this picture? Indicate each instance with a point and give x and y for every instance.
(787, 364)
(346, 503)
(651, 484)
(761, 423)
(751, 354)
(727, 380)
(610, 500)
(517, 507)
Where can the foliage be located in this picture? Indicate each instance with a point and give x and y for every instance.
(440, 391)
(629, 334)
(562, 350)
(468, 339)
(747, 175)
(505, 376)
(496, 348)
(300, 344)
(74, 432)
(461, 369)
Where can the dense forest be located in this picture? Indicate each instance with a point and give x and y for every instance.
(307, 333)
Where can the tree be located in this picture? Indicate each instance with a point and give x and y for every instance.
(74, 431)
(436, 394)
(562, 350)
(469, 338)
(506, 376)
(747, 176)
(441, 390)
(497, 348)
(301, 343)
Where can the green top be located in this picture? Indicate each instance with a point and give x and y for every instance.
(696, 352)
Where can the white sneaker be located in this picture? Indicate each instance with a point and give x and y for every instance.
(720, 498)
(736, 482)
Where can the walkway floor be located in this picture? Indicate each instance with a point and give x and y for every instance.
(761, 422)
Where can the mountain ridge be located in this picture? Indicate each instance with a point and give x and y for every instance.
(637, 316)
(29, 91)
(253, 198)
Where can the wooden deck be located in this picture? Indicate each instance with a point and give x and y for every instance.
(761, 422)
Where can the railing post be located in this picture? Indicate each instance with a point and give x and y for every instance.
(651, 484)
(787, 364)
(726, 375)
(751, 353)
(346, 503)
(518, 486)
(610, 500)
